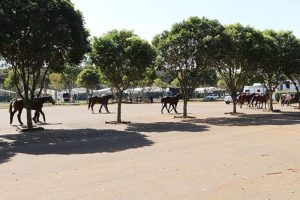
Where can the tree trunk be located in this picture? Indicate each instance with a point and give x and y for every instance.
(119, 96)
(234, 107)
(185, 101)
(29, 118)
(27, 105)
(87, 95)
(45, 90)
(234, 100)
(271, 100)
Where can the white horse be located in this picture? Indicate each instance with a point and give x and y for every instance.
(285, 99)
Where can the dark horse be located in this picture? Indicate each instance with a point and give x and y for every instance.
(18, 105)
(242, 98)
(101, 100)
(260, 99)
(173, 101)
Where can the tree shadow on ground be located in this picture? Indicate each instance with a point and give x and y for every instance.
(283, 118)
(78, 141)
(166, 127)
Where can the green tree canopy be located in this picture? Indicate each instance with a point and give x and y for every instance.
(70, 74)
(160, 84)
(187, 50)
(292, 60)
(37, 36)
(122, 58)
(56, 81)
(237, 56)
(88, 78)
(10, 80)
(278, 53)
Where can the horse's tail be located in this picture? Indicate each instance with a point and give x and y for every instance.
(90, 102)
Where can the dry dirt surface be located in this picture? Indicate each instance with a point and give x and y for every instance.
(214, 156)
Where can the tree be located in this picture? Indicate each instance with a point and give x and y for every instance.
(187, 50)
(164, 75)
(237, 55)
(160, 84)
(89, 79)
(2, 77)
(123, 58)
(38, 36)
(10, 80)
(275, 55)
(146, 83)
(175, 83)
(208, 78)
(70, 74)
(56, 81)
(222, 84)
(292, 60)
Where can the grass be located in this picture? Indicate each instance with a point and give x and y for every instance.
(4, 105)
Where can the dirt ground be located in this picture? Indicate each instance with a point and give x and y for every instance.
(213, 156)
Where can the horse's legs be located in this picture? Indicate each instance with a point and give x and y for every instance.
(265, 104)
(164, 105)
(43, 115)
(19, 116)
(106, 108)
(174, 107)
(169, 108)
(12, 115)
(92, 107)
(100, 108)
(36, 117)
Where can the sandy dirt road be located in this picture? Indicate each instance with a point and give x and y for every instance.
(211, 157)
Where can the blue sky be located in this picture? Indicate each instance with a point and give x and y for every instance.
(150, 17)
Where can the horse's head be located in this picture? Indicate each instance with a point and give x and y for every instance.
(110, 96)
(50, 100)
(267, 96)
(178, 95)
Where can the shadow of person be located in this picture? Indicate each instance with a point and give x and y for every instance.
(66, 142)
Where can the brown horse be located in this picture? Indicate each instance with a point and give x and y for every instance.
(18, 105)
(260, 99)
(173, 101)
(101, 100)
(242, 98)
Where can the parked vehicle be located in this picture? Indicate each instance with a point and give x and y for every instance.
(228, 99)
(212, 97)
